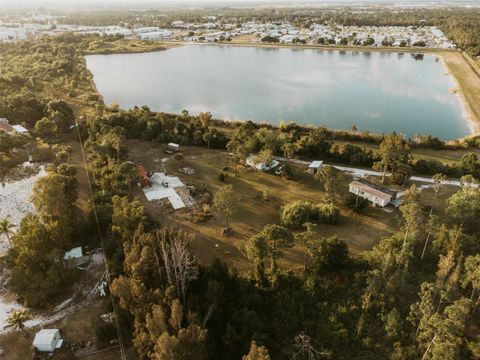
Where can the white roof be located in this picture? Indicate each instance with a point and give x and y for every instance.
(315, 164)
(73, 253)
(20, 129)
(45, 337)
(163, 186)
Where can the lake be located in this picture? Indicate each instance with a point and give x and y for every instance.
(376, 91)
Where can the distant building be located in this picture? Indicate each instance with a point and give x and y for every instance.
(5, 126)
(47, 340)
(376, 194)
(315, 166)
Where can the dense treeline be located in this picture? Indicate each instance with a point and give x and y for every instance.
(414, 295)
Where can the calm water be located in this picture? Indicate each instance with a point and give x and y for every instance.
(376, 91)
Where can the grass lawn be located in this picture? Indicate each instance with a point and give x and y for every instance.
(360, 232)
(445, 156)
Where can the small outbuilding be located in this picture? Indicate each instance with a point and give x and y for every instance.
(376, 194)
(173, 147)
(47, 340)
(315, 166)
(74, 257)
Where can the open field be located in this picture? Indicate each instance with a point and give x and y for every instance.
(361, 232)
(445, 156)
(127, 46)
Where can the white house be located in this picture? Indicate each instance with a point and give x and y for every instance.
(374, 193)
(253, 161)
(47, 340)
(315, 166)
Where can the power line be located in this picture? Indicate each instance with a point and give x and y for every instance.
(107, 271)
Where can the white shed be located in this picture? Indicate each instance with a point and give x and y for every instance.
(173, 147)
(47, 340)
(315, 166)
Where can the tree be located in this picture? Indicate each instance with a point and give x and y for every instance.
(210, 135)
(469, 162)
(52, 197)
(6, 229)
(225, 201)
(395, 154)
(331, 180)
(296, 213)
(61, 113)
(257, 353)
(438, 179)
(46, 128)
(36, 262)
(271, 241)
(442, 334)
(288, 149)
(180, 266)
(463, 208)
(328, 255)
(471, 277)
(265, 156)
(16, 319)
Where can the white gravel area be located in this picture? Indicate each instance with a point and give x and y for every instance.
(15, 202)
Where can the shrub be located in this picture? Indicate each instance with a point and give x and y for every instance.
(355, 203)
(296, 213)
(328, 213)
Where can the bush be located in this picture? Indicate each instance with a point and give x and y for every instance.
(355, 203)
(221, 176)
(296, 213)
(328, 213)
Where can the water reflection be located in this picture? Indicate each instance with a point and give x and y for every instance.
(377, 91)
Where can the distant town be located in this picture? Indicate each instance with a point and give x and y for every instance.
(214, 29)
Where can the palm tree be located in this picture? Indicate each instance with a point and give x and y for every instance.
(16, 319)
(6, 229)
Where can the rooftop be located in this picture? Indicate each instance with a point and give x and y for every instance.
(374, 189)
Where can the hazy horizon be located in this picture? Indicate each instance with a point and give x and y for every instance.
(95, 4)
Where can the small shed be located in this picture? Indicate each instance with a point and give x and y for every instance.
(173, 147)
(75, 257)
(47, 340)
(315, 166)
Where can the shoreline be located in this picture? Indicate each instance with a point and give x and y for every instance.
(467, 111)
